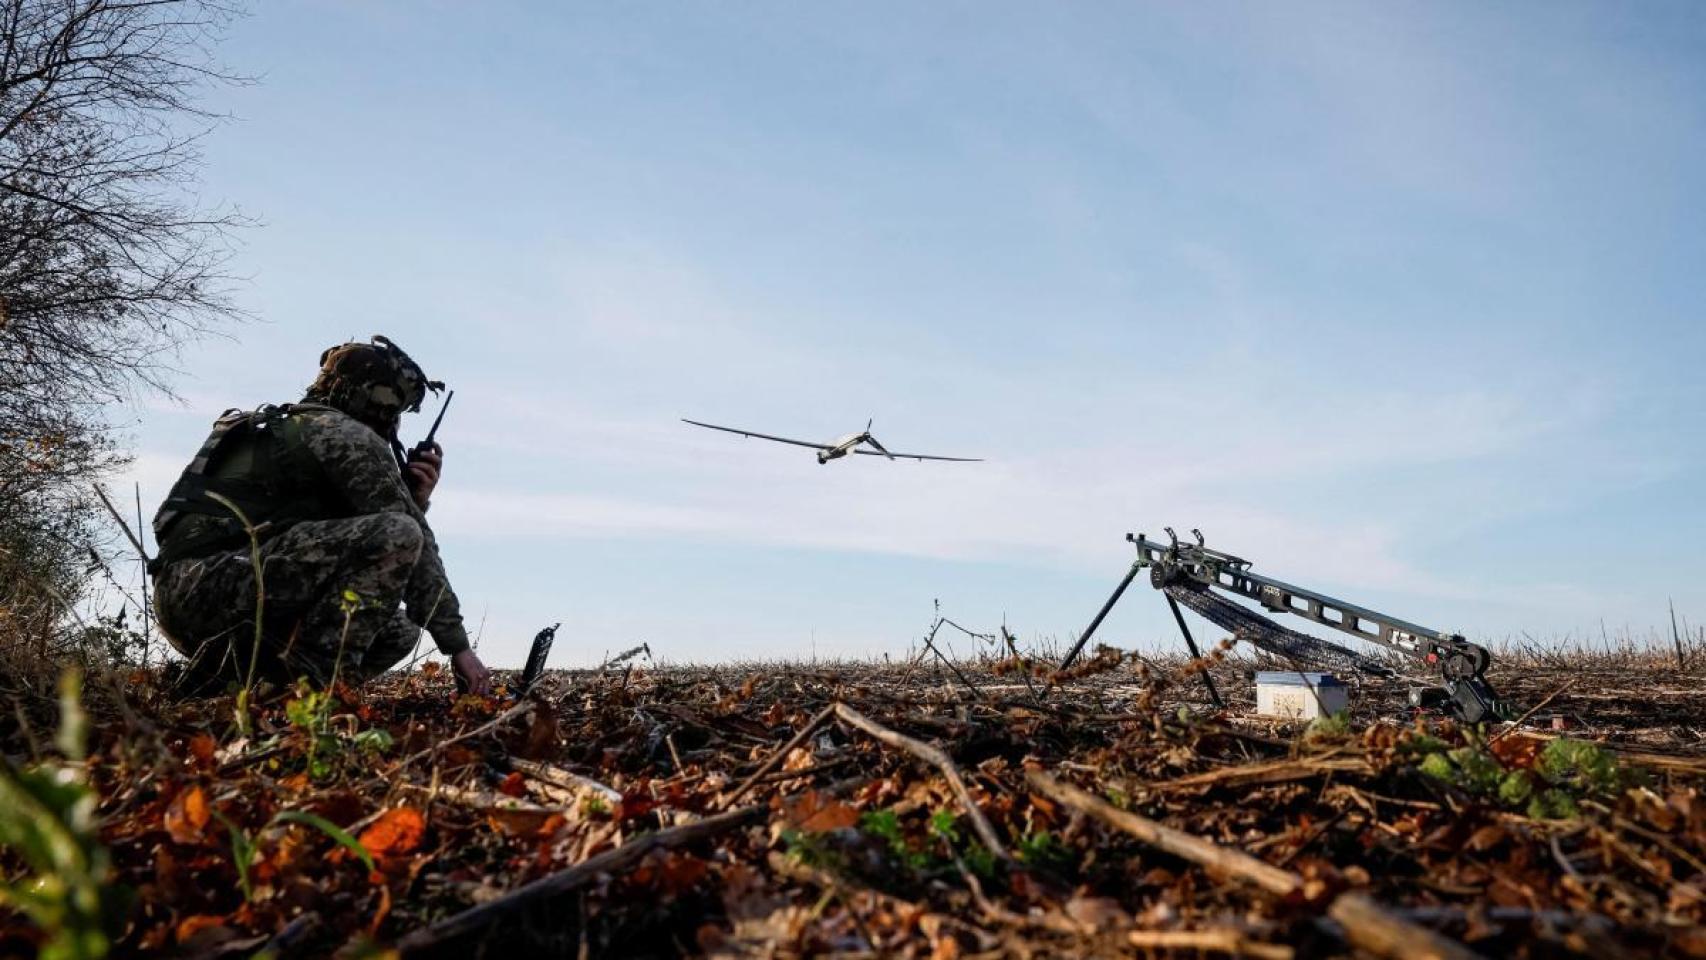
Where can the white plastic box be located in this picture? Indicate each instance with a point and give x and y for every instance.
(1286, 693)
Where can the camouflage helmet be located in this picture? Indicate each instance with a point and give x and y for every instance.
(373, 381)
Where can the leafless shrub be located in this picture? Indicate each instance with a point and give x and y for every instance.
(107, 261)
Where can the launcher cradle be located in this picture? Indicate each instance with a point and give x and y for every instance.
(1189, 574)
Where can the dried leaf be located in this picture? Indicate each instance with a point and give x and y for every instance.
(397, 832)
(513, 822)
(203, 747)
(514, 785)
(196, 923)
(815, 813)
(1485, 838)
(1097, 913)
(186, 819)
(1518, 751)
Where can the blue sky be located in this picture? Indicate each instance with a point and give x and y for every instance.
(1401, 301)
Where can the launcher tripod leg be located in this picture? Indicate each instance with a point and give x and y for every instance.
(1190, 642)
(1101, 614)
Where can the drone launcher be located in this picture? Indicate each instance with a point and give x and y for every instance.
(1190, 575)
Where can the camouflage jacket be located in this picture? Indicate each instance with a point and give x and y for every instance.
(354, 473)
(357, 463)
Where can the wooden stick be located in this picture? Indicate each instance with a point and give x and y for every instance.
(1367, 925)
(930, 642)
(1270, 771)
(1223, 860)
(999, 914)
(135, 541)
(782, 754)
(783, 776)
(483, 728)
(935, 758)
(558, 777)
(1531, 712)
(422, 941)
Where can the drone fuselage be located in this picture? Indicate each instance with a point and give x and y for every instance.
(841, 447)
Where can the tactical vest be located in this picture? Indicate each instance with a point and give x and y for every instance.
(257, 460)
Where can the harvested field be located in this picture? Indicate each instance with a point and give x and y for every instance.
(907, 810)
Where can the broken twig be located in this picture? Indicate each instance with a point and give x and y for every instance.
(935, 758)
(1366, 924)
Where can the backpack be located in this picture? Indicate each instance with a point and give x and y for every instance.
(257, 461)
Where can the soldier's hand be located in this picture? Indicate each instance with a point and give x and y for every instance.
(424, 468)
(475, 677)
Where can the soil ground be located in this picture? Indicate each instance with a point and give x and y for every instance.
(731, 812)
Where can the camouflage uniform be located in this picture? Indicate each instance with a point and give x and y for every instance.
(337, 563)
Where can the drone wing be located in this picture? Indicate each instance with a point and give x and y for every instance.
(917, 456)
(761, 436)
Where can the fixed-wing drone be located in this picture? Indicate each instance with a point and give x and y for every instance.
(836, 449)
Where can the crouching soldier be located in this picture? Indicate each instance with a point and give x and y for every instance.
(350, 573)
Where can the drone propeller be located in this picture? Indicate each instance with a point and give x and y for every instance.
(873, 442)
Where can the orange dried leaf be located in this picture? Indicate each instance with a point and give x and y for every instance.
(1518, 752)
(192, 925)
(395, 833)
(814, 813)
(187, 817)
(203, 747)
(1485, 838)
(517, 823)
(513, 786)
(680, 873)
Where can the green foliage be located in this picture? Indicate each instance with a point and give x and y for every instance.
(945, 824)
(374, 741)
(242, 854)
(1422, 745)
(1516, 788)
(1553, 804)
(1586, 766)
(810, 849)
(1330, 726)
(945, 827)
(1478, 771)
(47, 818)
(1438, 766)
(978, 860)
(1566, 772)
(1039, 848)
(884, 825)
(310, 714)
(310, 709)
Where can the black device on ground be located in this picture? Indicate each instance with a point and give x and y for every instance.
(1185, 574)
(536, 658)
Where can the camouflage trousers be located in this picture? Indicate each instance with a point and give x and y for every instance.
(332, 596)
